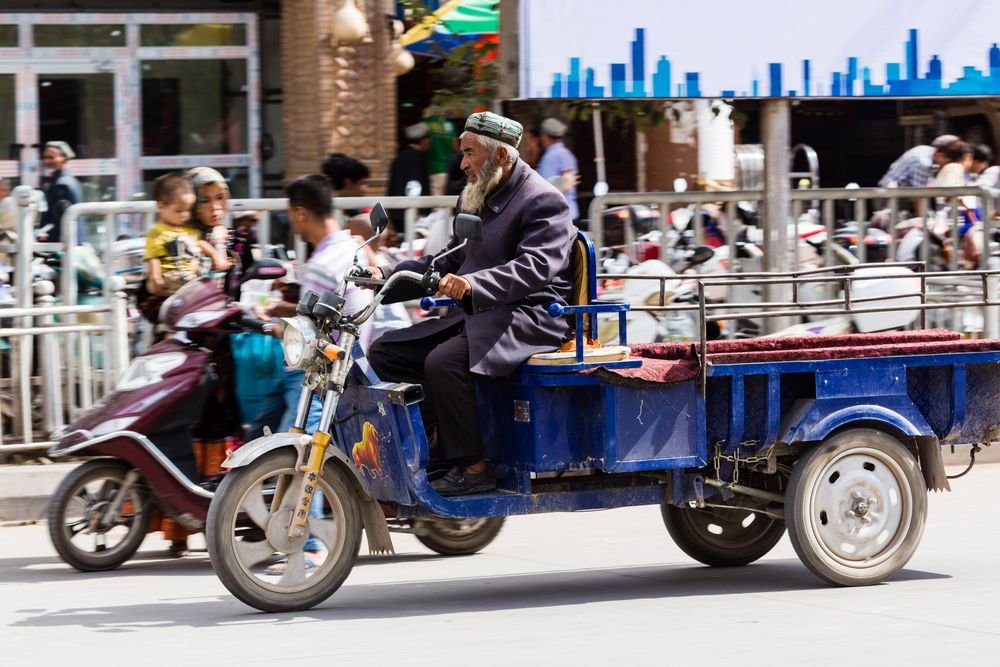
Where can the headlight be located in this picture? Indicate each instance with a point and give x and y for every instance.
(298, 340)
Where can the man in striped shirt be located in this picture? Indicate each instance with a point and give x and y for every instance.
(310, 213)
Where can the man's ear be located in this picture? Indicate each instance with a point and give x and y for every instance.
(505, 156)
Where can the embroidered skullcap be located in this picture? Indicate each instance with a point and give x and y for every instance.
(62, 147)
(201, 176)
(553, 127)
(416, 132)
(489, 124)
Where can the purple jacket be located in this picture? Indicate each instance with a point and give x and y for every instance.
(518, 269)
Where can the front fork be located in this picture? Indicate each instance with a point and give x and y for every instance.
(320, 439)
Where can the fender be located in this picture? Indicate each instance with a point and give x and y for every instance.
(141, 440)
(826, 416)
(376, 528)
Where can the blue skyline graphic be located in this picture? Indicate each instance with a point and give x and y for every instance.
(629, 79)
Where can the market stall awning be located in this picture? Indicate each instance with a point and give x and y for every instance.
(456, 22)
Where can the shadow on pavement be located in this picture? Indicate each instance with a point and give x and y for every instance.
(449, 596)
(51, 568)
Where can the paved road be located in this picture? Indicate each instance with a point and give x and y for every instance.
(584, 589)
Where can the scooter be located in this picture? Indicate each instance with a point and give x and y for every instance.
(156, 434)
(162, 435)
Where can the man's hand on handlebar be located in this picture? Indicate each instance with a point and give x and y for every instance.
(454, 287)
(376, 274)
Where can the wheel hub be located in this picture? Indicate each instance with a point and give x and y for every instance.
(860, 508)
(277, 532)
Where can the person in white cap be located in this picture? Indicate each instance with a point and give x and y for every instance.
(557, 161)
(61, 189)
(408, 173)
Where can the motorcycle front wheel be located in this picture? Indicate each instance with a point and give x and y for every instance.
(277, 573)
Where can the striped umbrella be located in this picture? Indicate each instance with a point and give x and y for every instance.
(455, 23)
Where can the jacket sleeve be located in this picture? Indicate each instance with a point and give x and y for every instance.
(546, 241)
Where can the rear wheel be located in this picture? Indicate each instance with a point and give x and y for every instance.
(856, 507)
(76, 517)
(245, 497)
(457, 537)
(722, 537)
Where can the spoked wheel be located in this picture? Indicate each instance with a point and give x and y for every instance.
(457, 537)
(722, 537)
(856, 507)
(247, 496)
(76, 517)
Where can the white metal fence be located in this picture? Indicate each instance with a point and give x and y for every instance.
(65, 355)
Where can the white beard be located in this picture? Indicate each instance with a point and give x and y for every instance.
(474, 194)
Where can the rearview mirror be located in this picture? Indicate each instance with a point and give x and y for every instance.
(264, 269)
(700, 255)
(379, 218)
(469, 227)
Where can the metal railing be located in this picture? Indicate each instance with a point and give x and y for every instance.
(64, 366)
(822, 201)
(847, 303)
(111, 210)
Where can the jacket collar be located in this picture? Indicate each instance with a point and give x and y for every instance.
(518, 175)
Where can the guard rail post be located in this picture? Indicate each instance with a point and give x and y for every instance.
(51, 369)
(119, 353)
(22, 349)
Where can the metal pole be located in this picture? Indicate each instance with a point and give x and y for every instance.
(776, 134)
(52, 401)
(22, 348)
(599, 146)
(119, 353)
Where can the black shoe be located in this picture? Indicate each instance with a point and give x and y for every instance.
(459, 482)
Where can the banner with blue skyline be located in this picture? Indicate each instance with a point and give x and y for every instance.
(767, 48)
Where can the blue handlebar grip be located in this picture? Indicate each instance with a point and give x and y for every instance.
(557, 309)
(429, 303)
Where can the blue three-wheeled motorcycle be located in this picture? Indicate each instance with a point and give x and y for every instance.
(838, 439)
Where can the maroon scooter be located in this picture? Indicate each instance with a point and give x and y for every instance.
(175, 396)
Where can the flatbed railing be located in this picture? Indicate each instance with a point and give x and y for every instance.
(847, 304)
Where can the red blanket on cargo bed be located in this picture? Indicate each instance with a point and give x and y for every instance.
(676, 362)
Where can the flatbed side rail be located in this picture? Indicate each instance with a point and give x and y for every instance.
(847, 304)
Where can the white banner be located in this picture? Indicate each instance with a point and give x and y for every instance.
(762, 48)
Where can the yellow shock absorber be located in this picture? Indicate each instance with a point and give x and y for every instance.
(320, 441)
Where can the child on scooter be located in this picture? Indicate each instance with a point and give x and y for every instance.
(172, 243)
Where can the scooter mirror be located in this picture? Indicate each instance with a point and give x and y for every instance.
(700, 255)
(264, 269)
(379, 218)
(469, 227)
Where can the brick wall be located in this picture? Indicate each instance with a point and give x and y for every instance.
(336, 97)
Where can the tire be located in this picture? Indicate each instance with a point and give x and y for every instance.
(856, 507)
(457, 537)
(722, 537)
(241, 563)
(83, 495)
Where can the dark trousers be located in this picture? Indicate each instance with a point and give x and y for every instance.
(441, 364)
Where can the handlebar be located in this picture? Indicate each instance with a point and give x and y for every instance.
(556, 309)
(253, 324)
(429, 303)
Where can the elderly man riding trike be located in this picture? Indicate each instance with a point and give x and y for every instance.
(837, 438)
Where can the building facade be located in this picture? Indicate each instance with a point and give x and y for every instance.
(262, 93)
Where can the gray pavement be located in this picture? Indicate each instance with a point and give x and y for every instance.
(584, 589)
